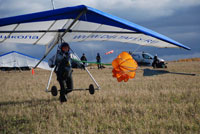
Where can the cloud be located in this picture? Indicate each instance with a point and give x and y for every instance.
(144, 10)
(12, 8)
(7, 47)
(34, 50)
(141, 9)
(176, 19)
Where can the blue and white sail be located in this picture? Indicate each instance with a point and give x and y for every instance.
(78, 23)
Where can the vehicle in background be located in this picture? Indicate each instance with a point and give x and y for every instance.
(146, 59)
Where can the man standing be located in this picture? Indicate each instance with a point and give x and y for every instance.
(98, 58)
(84, 59)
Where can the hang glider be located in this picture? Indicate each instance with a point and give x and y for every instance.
(75, 24)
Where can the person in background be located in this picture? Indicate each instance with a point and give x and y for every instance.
(98, 58)
(155, 61)
(83, 58)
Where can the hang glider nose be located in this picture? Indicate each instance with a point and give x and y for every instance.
(79, 23)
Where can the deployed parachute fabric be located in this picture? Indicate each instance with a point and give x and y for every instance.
(78, 23)
(124, 67)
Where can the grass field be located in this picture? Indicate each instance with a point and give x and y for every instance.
(156, 102)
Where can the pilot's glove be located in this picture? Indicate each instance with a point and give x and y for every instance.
(51, 66)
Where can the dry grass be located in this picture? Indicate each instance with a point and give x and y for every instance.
(162, 103)
(188, 60)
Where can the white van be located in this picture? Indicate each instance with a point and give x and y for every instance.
(147, 59)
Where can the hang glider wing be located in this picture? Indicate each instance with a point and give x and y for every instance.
(79, 23)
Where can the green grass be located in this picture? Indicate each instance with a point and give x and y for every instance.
(162, 103)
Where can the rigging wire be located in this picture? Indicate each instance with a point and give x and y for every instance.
(52, 2)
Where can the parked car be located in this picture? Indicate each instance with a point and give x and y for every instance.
(146, 59)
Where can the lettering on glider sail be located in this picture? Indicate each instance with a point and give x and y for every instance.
(113, 37)
(19, 37)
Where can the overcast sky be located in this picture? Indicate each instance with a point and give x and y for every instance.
(177, 19)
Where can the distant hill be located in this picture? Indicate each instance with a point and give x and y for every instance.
(188, 60)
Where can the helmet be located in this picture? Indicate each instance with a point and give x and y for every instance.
(64, 44)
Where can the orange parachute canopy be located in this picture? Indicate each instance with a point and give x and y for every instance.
(124, 67)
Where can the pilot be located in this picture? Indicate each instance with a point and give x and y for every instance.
(63, 70)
